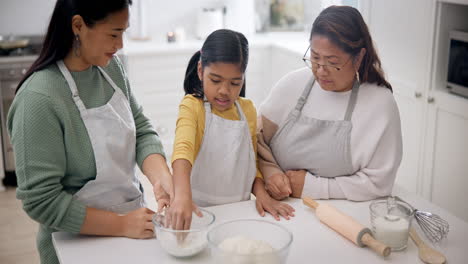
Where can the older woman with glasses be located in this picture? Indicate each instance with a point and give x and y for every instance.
(333, 132)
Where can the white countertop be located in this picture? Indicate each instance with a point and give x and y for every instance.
(313, 242)
(292, 41)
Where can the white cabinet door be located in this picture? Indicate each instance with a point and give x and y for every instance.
(284, 61)
(402, 32)
(257, 74)
(447, 154)
(412, 108)
(157, 82)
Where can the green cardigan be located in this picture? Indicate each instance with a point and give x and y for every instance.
(53, 153)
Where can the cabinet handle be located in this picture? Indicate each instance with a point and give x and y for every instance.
(417, 94)
(430, 99)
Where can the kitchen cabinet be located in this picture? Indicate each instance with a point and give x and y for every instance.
(157, 82)
(446, 157)
(412, 42)
(258, 73)
(402, 34)
(284, 60)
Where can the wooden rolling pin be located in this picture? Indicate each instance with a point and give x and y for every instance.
(346, 226)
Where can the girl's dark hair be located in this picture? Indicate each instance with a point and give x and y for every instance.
(345, 27)
(222, 45)
(59, 37)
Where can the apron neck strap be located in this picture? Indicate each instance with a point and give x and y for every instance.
(305, 94)
(109, 80)
(352, 101)
(207, 106)
(73, 88)
(71, 85)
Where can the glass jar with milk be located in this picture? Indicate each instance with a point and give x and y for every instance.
(391, 220)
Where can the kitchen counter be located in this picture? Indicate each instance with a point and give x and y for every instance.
(312, 242)
(291, 41)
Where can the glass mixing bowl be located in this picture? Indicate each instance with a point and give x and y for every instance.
(240, 242)
(183, 243)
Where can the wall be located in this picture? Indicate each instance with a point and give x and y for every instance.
(31, 17)
(163, 16)
(25, 17)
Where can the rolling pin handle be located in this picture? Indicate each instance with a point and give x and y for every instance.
(310, 202)
(377, 246)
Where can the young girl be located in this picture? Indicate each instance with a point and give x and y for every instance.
(214, 159)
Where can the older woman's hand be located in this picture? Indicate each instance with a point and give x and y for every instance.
(296, 179)
(278, 186)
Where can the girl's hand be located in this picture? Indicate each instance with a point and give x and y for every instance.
(179, 214)
(297, 179)
(278, 186)
(276, 208)
(138, 224)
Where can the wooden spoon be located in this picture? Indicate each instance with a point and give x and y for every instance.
(426, 253)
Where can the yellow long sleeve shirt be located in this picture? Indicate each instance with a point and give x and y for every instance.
(190, 126)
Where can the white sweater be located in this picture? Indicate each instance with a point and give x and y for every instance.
(376, 141)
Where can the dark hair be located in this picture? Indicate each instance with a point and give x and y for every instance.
(222, 45)
(59, 37)
(345, 27)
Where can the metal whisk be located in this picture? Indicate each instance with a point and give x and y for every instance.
(434, 227)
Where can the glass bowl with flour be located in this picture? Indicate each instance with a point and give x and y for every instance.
(249, 241)
(183, 243)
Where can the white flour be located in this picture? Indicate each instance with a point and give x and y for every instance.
(183, 247)
(241, 245)
(392, 232)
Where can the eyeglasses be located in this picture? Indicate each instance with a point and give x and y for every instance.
(315, 65)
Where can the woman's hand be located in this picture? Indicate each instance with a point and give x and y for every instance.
(163, 198)
(138, 224)
(278, 186)
(296, 179)
(264, 202)
(179, 214)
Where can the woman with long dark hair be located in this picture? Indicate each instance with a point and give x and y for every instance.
(78, 133)
(214, 160)
(332, 129)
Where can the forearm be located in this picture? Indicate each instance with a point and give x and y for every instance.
(258, 188)
(156, 170)
(182, 169)
(102, 223)
(266, 161)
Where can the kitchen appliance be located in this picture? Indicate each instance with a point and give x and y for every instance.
(346, 226)
(15, 60)
(209, 19)
(457, 72)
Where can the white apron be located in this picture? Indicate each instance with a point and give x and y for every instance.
(321, 147)
(111, 130)
(225, 167)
